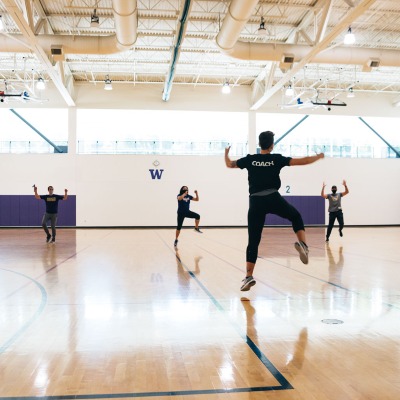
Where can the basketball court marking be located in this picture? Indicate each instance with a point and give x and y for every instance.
(34, 317)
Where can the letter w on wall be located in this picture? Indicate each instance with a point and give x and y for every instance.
(156, 173)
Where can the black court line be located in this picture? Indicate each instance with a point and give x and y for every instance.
(148, 394)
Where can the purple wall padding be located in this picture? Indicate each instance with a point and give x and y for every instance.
(311, 208)
(28, 211)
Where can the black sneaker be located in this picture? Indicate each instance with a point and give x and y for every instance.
(176, 243)
(340, 233)
(48, 238)
(247, 283)
(303, 251)
(327, 239)
(53, 240)
(198, 230)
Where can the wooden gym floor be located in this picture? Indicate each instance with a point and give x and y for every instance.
(110, 314)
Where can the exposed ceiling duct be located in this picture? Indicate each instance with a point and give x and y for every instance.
(337, 55)
(125, 17)
(181, 29)
(240, 11)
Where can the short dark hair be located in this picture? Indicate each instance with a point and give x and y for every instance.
(266, 139)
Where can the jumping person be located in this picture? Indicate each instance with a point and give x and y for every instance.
(264, 183)
(335, 208)
(184, 199)
(51, 211)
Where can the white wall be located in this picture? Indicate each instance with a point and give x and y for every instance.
(118, 190)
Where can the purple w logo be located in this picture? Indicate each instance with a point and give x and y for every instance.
(155, 173)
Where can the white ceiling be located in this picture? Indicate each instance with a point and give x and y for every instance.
(312, 25)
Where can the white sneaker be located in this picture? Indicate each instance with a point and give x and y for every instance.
(247, 283)
(303, 251)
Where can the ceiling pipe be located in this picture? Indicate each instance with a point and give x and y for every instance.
(336, 55)
(181, 29)
(240, 11)
(125, 17)
(126, 22)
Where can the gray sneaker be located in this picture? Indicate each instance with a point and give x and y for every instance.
(303, 251)
(247, 283)
(198, 230)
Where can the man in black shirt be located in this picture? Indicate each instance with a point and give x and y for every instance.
(264, 183)
(51, 211)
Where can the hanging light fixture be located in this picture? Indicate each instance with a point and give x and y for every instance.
(108, 83)
(226, 89)
(40, 84)
(94, 20)
(349, 38)
(289, 91)
(351, 93)
(1, 23)
(261, 30)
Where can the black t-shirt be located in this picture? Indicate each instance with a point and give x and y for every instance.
(52, 202)
(184, 204)
(263, 170)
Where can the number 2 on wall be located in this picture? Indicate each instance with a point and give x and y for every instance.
(287, 189)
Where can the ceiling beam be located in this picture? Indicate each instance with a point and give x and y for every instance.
(15, 13)
(360, 9)
(326, 12)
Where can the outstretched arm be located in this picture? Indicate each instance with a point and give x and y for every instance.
(323, 191)
(197, 198)
(229, 163)
(346, 190)
(35, 192)
(306, 160)
(65, 194)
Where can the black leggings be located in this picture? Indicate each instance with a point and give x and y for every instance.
(182, 216)
(259, 207)
(332, 217)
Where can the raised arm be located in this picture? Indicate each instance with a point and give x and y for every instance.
(346, 190)
(35, 192)
(306, 160)
(182, 196)
(197, 198)
(323, 191)
(65, 194)
(229, 163)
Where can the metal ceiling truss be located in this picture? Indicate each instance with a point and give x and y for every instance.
(316, 24)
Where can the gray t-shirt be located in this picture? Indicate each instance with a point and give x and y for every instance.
(335, 202)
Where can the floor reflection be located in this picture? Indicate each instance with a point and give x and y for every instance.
(184, 273)
(335, 265)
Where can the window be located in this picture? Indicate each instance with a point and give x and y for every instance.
(18, 137)
(336, 136)
(161, 132)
